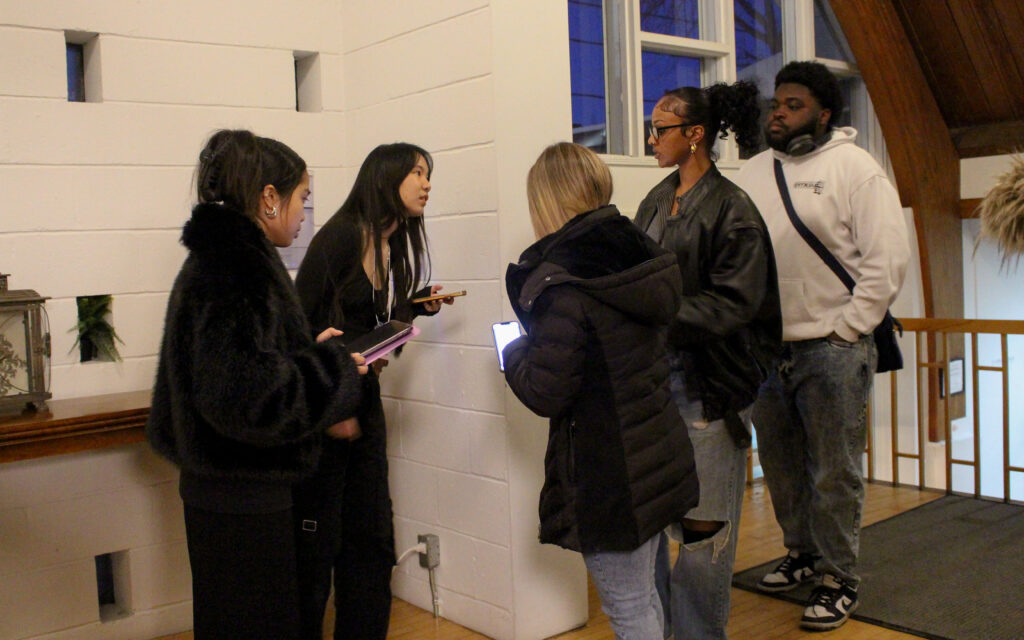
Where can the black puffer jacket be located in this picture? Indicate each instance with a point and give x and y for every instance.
(595, 299)
(242, 391)
(728, 329)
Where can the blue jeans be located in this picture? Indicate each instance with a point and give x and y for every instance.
(698, 589)
(811, 430)
(625, 582)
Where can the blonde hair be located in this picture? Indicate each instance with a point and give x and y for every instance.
(565, 181)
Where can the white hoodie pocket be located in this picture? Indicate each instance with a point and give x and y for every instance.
(793, 296)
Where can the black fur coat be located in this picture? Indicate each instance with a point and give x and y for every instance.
(242, 391)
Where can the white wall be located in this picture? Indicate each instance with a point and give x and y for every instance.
(96, 196)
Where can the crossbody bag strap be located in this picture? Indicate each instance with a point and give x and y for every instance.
(807, 234)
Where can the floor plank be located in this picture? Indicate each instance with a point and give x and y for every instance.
(753, 617)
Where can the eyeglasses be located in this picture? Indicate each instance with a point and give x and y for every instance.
(657, 131)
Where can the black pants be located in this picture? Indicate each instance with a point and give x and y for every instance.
(243, 575)
(353, 536)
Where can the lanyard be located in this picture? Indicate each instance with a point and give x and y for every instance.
(389, 294)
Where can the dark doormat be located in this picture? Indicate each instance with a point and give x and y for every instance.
(951, 569)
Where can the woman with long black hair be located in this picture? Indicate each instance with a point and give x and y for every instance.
(363, 268)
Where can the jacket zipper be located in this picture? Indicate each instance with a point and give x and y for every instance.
(572, 450)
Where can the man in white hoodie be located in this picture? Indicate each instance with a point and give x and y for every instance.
(811, 413)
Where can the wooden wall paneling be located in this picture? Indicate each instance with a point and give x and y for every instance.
(924, 160)
(994, 71)
(927, 26)
(1009, 16)
(989, 139)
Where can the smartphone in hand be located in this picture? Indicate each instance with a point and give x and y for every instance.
(438, 296)
(504, 333)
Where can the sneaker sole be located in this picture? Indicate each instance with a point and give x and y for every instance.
(781, 588)
(828, 626)
(768, 588)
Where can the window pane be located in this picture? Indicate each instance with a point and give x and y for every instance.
(663, 72)
(586, 60)
(758, 48)
(829, 41)
(758, 38)
(670, 17)
(76, 73)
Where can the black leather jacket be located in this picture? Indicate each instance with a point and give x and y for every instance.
(728, 330)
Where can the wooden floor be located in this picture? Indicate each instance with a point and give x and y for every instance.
(753, 616)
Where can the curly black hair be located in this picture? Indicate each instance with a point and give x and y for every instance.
(822, 84)
(719, 108)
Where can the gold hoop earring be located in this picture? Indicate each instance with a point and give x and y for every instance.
(693, 148)
(272, 213)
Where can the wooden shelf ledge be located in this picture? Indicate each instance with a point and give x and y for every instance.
(75, 424)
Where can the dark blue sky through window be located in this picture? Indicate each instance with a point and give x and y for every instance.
(663, 72)
(586, 60)
(758, 31)
(670, 17)
(76, 73)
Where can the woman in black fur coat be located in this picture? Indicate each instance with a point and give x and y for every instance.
(243, 393)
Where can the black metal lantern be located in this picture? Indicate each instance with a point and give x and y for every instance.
(24, 350)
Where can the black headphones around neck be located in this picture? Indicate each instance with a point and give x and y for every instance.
(803, 144)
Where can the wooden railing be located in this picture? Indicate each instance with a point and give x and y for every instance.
(917, 363)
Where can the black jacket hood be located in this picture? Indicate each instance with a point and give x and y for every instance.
(579, 254)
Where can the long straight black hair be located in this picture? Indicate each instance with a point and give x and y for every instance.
(375, 204)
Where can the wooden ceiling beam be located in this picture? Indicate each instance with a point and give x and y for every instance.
(989, 139)
(924, 160)
(926, 165)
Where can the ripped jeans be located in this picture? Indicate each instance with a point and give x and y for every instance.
(696, 594)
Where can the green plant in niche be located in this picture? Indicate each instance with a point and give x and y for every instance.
(95, 333)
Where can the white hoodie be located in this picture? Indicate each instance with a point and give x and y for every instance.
(846, 200)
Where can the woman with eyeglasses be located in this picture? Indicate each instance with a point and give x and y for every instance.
(725, 336)
(362, 268)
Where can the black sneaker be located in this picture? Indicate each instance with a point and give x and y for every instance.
(795, 569)
(830, 604)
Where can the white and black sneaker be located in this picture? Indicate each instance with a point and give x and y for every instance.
(830, 604)
(794, 570)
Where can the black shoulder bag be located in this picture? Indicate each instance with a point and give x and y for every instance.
(889, 356)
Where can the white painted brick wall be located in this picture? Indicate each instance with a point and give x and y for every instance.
(57, 514)
(97, 193)
(434, 56)
(137, 70)
(32, 63)
(463, 181)
(363, 21)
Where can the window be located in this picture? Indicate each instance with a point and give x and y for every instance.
(83, 67)
(586, 40)
(624, 55)
(76, 72)
(308, 89)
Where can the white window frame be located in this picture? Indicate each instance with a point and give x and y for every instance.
(716, 47)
